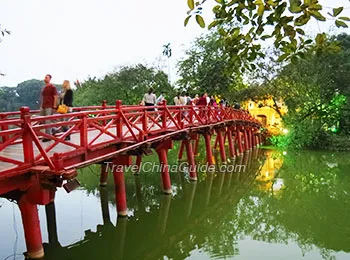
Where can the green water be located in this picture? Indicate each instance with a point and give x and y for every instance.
(284, 206)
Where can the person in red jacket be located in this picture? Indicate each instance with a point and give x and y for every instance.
(49, 97)
(202, 101)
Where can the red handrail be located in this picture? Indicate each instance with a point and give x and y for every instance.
(99, 128)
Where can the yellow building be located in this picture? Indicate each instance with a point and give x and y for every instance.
(265, 112)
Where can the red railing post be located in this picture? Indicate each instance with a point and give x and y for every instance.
(119, 121)
(164, 117)
(3, 128)
(84, 132)
(179, 118)
(190, 114)
(145, 123)
(104, 106)
(28, 151)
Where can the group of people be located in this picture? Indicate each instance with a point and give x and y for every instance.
(182, 99)
(51, 99)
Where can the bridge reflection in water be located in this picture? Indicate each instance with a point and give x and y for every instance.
(155, 231)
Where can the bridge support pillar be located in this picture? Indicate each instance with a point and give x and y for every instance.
(239, 141)
(119, 183)
(221, 146)
(104, 175)
(249, 136)
(216, 143)
(162, 151)
(232, 150)
(31, 226)
(246, 142)
(254, 141)
(164, 167)
(209, 152)
(190, 158)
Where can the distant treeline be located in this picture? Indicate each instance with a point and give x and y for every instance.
(26, 93)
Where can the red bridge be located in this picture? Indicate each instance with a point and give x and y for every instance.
(30, 170)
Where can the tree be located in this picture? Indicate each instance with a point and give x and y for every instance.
(9, 100)
(206, 67)
(250, 21)
(128, 84)
(315, 90)
(29, 93)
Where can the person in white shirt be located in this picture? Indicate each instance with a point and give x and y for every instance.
(149, 99)
(208, 98)
(177, 99)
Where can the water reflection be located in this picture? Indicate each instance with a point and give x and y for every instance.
(297, 203)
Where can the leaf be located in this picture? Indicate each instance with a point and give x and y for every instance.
(186, 20)
(261, 10)
(300, 31)
(318, 15)
(309, 41)
(302, 20)
(295, 6)
(339, 24)
(200, 21)
(213, 24)
(320, 38)
(282, 57)
(219, 1)
(337, 11)
(190, 4)
(344, 18)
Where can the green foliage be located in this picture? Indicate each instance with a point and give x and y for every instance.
(128, 84)
(206, 67)
(249, 21)
(26, 93)
(315, 90)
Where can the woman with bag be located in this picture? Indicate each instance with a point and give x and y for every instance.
(65, 103)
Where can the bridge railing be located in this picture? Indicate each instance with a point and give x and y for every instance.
(97, 127)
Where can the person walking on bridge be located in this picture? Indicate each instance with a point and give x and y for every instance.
(66, 98)
(48, 103)
(150, 99)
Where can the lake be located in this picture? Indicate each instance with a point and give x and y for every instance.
(282, 205)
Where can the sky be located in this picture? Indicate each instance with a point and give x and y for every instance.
(75, 39)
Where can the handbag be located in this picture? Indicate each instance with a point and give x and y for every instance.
(62, 109)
